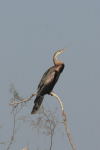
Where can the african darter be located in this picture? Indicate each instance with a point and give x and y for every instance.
(48, 81)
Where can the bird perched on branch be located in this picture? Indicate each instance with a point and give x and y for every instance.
(48, 81)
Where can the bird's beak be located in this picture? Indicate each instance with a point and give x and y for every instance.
(64, 49)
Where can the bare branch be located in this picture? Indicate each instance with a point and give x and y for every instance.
(64, 118)
(22, 101)
(46, 123)
(12, 138)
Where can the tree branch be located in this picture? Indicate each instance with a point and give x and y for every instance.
(64, 118)
(23, 101)
(12, 137)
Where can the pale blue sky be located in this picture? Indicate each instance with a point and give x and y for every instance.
(30, 33)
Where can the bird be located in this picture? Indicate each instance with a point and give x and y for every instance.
(48, 81)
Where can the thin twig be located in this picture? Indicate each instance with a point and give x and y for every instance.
(64, 118)
(51, 140)
(12, 138)
(23, 101)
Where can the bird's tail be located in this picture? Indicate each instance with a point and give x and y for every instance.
(37, 104)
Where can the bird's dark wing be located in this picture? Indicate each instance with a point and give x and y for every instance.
(43, 88)
(46, 79)
(49, 78)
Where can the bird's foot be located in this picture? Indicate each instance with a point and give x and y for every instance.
(51, 93)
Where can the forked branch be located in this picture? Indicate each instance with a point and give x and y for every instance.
(63, 114)
(64, 118)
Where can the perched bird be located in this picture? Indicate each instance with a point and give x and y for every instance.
(48, 81)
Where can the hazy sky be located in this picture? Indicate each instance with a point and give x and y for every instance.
(30, 33)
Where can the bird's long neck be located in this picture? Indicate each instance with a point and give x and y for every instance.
(55, 58)
(59, 65)
(56, 63)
